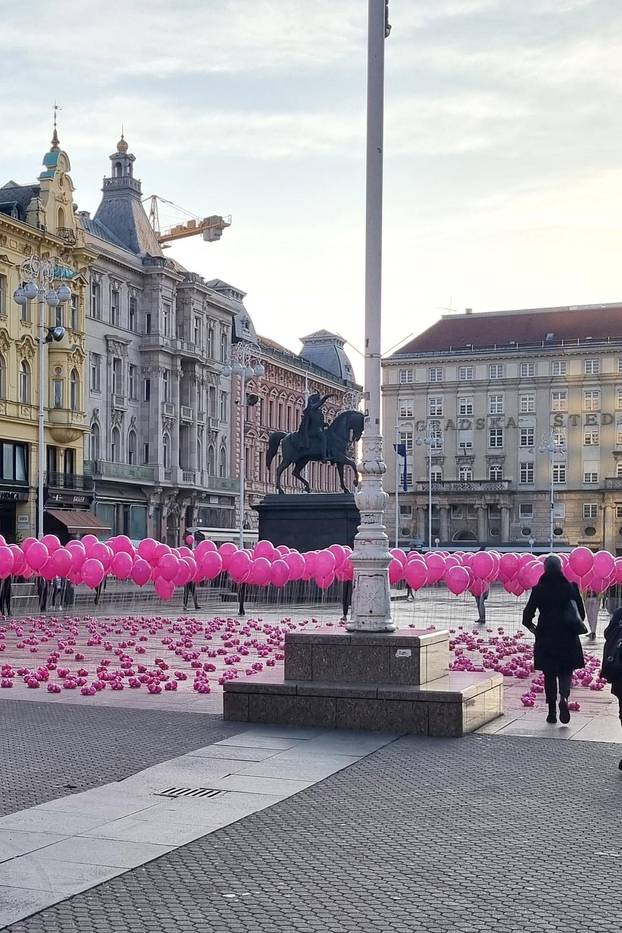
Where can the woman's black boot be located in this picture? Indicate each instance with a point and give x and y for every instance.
(552, 717)
(564, 712)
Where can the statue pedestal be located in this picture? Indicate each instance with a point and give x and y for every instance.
(394, 681)
(308, 521)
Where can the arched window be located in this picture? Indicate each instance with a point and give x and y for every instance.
(465, 474)
(2, 377)
(118, 170)
(131, 447)
(24, 382)
(222, 463)
(166, 451)
(199, 453)
(495, 472)
(165, 385)
(95, 441)
(115, 445)
(61, 218)
(74, 390)
(211, 460)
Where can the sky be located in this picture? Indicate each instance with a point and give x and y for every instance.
(503, 143)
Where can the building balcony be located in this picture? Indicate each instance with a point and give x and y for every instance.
(189, 477)
(468, 485)
(613, 482)
(125, 472)
(221, 483)
(168, 409)
(187, 413)
(66, 425)
(200, 417)
(67, 235)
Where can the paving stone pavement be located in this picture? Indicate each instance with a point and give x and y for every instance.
(49, 751)
(511, 835)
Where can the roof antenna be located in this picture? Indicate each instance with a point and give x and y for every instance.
(55, 141)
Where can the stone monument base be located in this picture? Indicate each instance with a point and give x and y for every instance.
(393, 681)
(308, 521)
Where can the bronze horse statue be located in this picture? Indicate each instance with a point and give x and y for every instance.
(344, 431)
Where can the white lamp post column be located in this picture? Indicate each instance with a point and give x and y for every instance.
(38, 276)
(552, 448)
(371, 601)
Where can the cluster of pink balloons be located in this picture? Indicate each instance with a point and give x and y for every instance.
(267, 565)
(475, 572)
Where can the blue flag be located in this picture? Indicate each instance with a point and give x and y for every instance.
(400, 450)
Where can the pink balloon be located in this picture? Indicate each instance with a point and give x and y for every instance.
(122, 545)
(204, 547)
(167, 567)
(184, 574)
(88, 541)
(189, 540)
(618, 570)
(599, 584)
(239, 566)
(346, 571)
(457, 580)
(296, 564)
(325, 582)
(37, 555)
(338, 552)
(61, 562)
(415, 574)
(209, 565)
(398, 553)
(146, 547)
(7, 561)
(78, 554)
(279, 573)
(164, 588)
(92, 572)
(581, 560)
(479, 586)
(604, 564)
(571, 575)
(264, 549)
(47, 572)
(282, 549)
(324, 564)
(482, 564)
(19, 561)
(436, 567)
(121, 565)
(260, 572)
(51, 542)
(158, 553)
(141, 571)
(396, 571)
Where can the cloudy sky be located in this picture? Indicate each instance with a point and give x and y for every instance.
(503, 169)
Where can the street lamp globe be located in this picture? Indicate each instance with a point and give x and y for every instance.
(237, 369)
(260, 370)
(52, 298)
(19, 295)
(64, 293)
(30, 290)
(227, 370)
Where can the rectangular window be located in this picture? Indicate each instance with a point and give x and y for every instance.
(619, 397)
(436, 435)
(527, 436)
(618, 511)
(3, 294)
(559, 368)
(591, 399)
(465, 373)
(57, 393)
(591, 439)
(406, 437)
(148, 322)
(465, 405)
(223, 406)
(435, 374)
(495, 472)
(465, 474)
(495, 371)
(409, 479)
(147, 390)
(96, 366)
(407, 408)
(115, 306)
(495, 437)
(96, 304)
(527, 403)
(495, 404)
(133, 381)
(210, 342)
(559, 401)
(14, 462)
(591, 367)
(619, 469)
(166, 319)
(559, 437)
(559, 473)
(525, 510)
(465, 440)
(75, 312)
(196, 333)
(590, 510)
(526, 472)
(133, 313)
(435, 406)
(591, 469)
(437, 475)
(527, 369)
(406, 376)
(145, 453)
(117, 376)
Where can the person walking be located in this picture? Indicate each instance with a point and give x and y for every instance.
(557, 651)
(612, 659)
(592, 605)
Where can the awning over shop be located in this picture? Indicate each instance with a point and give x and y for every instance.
(78, 521)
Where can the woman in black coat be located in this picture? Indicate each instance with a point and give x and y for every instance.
(613, 633)
(557, 652)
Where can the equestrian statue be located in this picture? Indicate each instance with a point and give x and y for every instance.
(315, 441)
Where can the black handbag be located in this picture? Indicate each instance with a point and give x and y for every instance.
(572, 619)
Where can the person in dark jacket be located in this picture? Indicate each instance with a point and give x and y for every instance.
(557, 651)
(613, 633)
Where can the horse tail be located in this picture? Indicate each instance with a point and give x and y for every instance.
(273, 445)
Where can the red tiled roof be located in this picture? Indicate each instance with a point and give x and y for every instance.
(532, 327)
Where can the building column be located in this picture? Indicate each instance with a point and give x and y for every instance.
(505, 524)
(444, 528)
(420, 523)
(482, 525)
(609, 530)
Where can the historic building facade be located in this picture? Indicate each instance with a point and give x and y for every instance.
(509, 403)
(159, 403)
(321, 366)
(38, 220)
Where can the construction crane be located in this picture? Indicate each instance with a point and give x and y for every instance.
(210, 228)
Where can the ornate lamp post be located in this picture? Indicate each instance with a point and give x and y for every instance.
(371, 603)
(38, 276)
(241, 365)
(551, 448)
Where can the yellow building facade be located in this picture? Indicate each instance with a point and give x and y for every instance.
(37, 221)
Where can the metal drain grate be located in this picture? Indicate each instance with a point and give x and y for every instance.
(176, 792)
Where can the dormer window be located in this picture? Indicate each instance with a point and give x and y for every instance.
(118, 170)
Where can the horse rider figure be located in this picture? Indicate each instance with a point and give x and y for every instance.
(313, 426)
